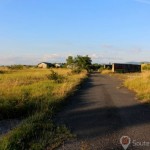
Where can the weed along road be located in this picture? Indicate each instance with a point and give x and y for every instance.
(103, 111)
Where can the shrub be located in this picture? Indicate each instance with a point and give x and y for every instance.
(36, 132)
(101, 69)
(106, 71)
(56, 77)
(76, 71)
(16, 67)
(2, 71)
(145, 66)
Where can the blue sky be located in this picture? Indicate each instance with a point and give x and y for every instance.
(32, 31)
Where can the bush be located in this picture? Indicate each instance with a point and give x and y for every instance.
(145, 66)
(2, 71)
(101, 69)
(56, 77)
(106, 71)
(37, 133)
(76, 71)
(16, 67)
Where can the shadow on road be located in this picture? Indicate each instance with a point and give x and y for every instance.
(95, 121)
(92, 123)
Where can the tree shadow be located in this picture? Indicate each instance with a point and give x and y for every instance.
(89, 122)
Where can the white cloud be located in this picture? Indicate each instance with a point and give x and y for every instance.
(104, 58)
(31, 59)
(136, 50)
(53, 58)
(27, 60)
(95, 56)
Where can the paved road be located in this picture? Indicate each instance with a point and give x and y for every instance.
(7, 125)
(101, 112)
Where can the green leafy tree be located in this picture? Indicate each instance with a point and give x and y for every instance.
(80, 62)
(70, 60)
(96, 66)
(83, 62)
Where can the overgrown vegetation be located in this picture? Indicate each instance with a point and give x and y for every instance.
(96, 66)
(145, 66)
(36, 94)
(103, 70)
(18, 67)
(56, 77)
(37, 132)
(106, 71)
(140, 83)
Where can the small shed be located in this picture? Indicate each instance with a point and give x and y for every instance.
(44, 65)
(126, 68)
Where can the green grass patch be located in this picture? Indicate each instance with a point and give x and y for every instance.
(35, 133)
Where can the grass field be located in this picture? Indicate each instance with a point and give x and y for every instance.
(140, 83)
(35, 94)
(145, 67)
(106, 71)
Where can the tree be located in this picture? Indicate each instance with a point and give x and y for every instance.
(70, 60)
(83, 62)
(95, 66)
(79, 62)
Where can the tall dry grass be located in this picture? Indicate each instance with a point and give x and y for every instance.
(22, 91)
(34, 93)
(106, 71)
(140, 83)
(145, 67)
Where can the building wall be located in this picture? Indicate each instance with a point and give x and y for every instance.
(125, 68)
(58, 65)
(42, 65)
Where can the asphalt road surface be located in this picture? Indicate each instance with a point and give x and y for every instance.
(103, 111)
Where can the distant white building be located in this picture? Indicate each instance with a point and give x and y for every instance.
(44, 65)
(58, 65)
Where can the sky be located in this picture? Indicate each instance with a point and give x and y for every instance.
(33, 31)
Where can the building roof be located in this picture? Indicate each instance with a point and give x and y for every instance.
(46, 63)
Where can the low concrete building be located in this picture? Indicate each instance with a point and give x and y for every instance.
(125, 68)
(44, 65)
